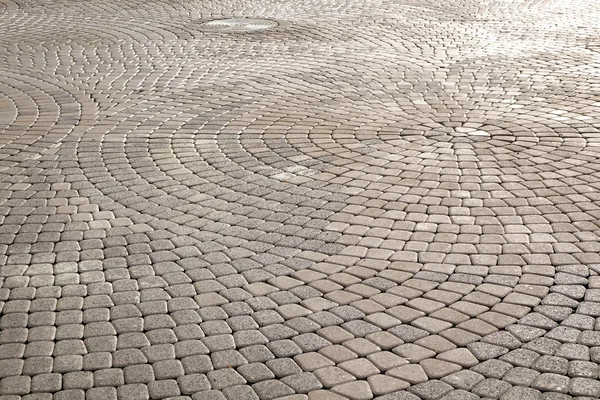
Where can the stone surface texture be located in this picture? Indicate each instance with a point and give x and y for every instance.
(393, 199)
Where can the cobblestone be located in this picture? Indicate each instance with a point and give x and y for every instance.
(392, 199)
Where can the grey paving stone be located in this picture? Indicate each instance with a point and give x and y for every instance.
(551, 364)
(193, 383)
(163, 388)
(103, 393)
(523, 393)
(305, 382)
(239, 392)
(271, 389)
(491, 387)
(400, 395)
(492, 368)
(283, 367)
(209, 395)
(551, 382)
(255, 372)
(432, 389)
(583, 369)
(521, 376)
(257, 353)
(464, 379)
(138, 391)
(15, 385)
(223, 378)
(584, 387)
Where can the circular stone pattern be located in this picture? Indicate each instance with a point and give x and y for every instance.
(237, 25)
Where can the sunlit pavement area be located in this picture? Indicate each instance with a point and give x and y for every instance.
(319, 199)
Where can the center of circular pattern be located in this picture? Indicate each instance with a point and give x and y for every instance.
(239, 25)
(461, 135)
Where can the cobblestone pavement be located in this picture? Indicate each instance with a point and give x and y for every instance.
(393, 199)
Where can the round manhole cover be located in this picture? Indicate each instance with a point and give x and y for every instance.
(239, 25)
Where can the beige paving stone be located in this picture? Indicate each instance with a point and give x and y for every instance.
(412, 373)
(359, 390)
(383, 384)
(436, 369)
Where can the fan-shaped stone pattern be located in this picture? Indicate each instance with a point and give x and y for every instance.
(367, 199)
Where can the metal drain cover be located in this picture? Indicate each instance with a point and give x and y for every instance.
(238, 25)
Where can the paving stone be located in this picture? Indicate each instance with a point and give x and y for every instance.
(162, 389)
(413, 353)
(551, 382)
(257, 353)
(411, 373)
(464, 379)
(359, 390)
(283, 367)
(46, 383)
(408, 333)
(271, 389)
(310, 342)
(551, 364)
(584, 387)
(400, 395)
(255, 372)
(438, 368)
(573, 351)
(324, 395)
(543, 346)
(486, 351)
(335, 334)
(521, 357)
(385, 360)
(460, 337)
(460, 394)
(583, 369)
(361, 347)
(333, 376)
(302, 383)
(110, 393)
(436, 343)
(522, 393)
(223, 378)
(16, 385)
(138, 391)
(240, 391)
(382, 384)
(491, 387)
(462, 357)
(525, 333)
(492, 368)
(431, 325)
(360, 368)
(430, 390)
(193, 383)
(209, 395)
(312, 361)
